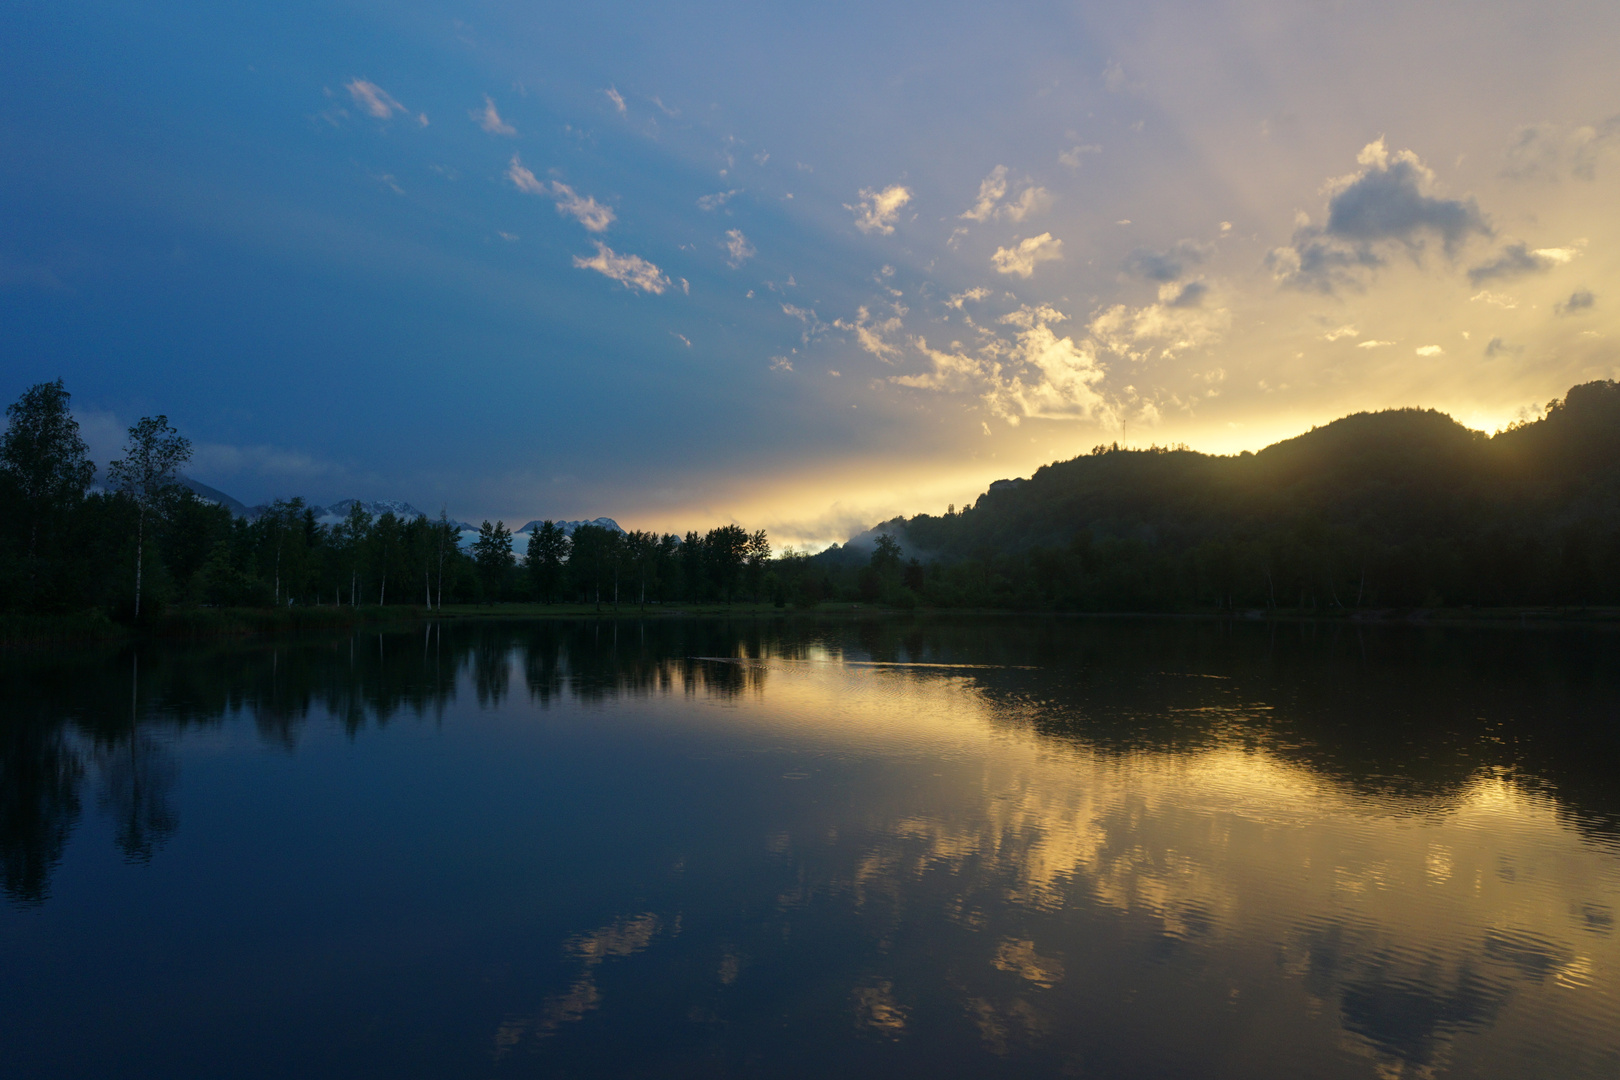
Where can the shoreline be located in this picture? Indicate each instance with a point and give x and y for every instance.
(26, 631)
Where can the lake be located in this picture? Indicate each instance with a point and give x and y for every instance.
(665, 847)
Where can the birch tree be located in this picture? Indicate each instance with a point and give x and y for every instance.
(147, 474)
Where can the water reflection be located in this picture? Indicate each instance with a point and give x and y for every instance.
(977, 844)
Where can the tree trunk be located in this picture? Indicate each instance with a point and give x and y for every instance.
(140, 551)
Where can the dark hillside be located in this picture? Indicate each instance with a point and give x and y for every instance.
(1397, 508)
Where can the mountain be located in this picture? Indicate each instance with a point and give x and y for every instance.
(568, 527)
(217, 497)
(339, 511)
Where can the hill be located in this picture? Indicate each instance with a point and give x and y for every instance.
(1401, 507)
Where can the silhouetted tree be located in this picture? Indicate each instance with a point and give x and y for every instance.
(147, 475)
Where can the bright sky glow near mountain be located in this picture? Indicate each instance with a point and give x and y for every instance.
(801, 267)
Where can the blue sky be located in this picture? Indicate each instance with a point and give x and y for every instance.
(801, 267)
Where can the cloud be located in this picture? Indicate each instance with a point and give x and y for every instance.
(1032, 201)
(490, 120)
(813, 326)
(1166, 265)
(1554, 151)
(583, 208)
(1516, 260)
(1027, 254)
(877, 210)
(1075, 155)
(781, 363)
(1485, 296)
(738, 248)
(1052, 378)
(1429, 350)
(956, 301)
(1189, 295)
(1035, 374)
(993, 189)
(1371, 343)
(717, 200)
(1178, 321)
(1499, 347)
(951, 371)
(1579, 300)
(523, 179)
(373, 99)
(631, 271)
(1342, 332)
(617, 98)
(869, 332)
(1389, 203)
(1027, 316)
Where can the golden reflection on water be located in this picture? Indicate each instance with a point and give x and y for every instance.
(1417, 935)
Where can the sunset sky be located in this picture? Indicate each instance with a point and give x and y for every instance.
(802, 267)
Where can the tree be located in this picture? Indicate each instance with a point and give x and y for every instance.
(351, 535)
(286, 533)
(548, 550)
(492, 551)
(886, 555)
(386, 535)
(727, 549)
(146, 474)
(444, 537)
(593, 554)
(694, 566)
(759, 556)
(44, 455)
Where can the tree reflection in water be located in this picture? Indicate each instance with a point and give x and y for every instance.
(1038, 813)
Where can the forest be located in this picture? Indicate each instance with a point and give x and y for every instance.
(1404, 508)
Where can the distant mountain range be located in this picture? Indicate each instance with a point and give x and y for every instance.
(568, 527)
(339, 511)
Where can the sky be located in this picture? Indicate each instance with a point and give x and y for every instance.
(798, 267)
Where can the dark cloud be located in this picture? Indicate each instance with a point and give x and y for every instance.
(1191, 295)
(1499, 347)
(1386, 205)
(1515, 260)
(1316, 263)
(1166, 265)
(1579, 300)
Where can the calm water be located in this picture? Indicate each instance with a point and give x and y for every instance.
(795, 848)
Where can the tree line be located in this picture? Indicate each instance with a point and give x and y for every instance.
(146, 542)
(1397, 509)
